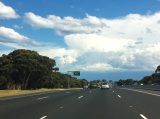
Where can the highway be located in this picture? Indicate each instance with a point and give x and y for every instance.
(117, 103)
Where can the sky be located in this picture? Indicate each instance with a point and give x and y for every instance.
(104, 39)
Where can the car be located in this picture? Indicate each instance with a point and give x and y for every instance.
(86, 87)
(104, 85)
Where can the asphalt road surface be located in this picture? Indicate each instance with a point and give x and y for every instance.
(84, 104)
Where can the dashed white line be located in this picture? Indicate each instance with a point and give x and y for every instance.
(113, 91)
(68, 92)
(143, 116)
(43, 117)
(42, 98)
(80, 97)
(141, 91)
(119, 96)
(61, 107)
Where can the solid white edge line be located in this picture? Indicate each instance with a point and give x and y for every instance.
(24, 96)
(141, 91)
(119, 96)
(143, 116)
(43, 117)
(80, 97)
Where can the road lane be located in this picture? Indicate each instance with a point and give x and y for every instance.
(100, 104)
(83, 104)
(145, 103)
(30, 107)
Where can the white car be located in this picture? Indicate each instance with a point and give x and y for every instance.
(104, 86)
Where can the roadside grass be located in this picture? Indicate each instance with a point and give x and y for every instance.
(6, 93)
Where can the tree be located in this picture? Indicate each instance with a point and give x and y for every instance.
(147, 80)
(3, 82)
(24, 68)
(84, 82)
(158, 69)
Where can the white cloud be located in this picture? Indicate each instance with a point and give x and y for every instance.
(13, 45)
(96, 67)
(38, 21)
(95, 42)
(14, 40)
(125, 43)
(66, 25)
(7, 12)
(64, 56)
(10, 35)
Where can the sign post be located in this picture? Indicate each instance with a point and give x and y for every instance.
(73, 73)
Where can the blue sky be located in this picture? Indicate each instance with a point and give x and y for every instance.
(113, 38)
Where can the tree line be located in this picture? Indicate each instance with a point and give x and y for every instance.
(152, 79)
(26, 69)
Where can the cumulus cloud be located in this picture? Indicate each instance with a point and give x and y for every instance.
(66, 25)
(10, 35)
(96, 67)
(7, 12)
(95, 42)
(62, 55)
(128, 42)
(10, 38)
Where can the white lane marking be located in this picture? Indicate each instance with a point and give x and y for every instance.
(143, 116)
(27, 95)
(141, 91)
(130, 106)
(30, 95)
(68, 92)
(113, 91)
(80, 97)
(43, 117)
(61, 107)
(119, 96)
(42, 98)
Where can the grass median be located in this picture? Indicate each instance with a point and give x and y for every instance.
(7, 93)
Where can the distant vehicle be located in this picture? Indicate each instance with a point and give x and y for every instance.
(104, 85)
(85, 87)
